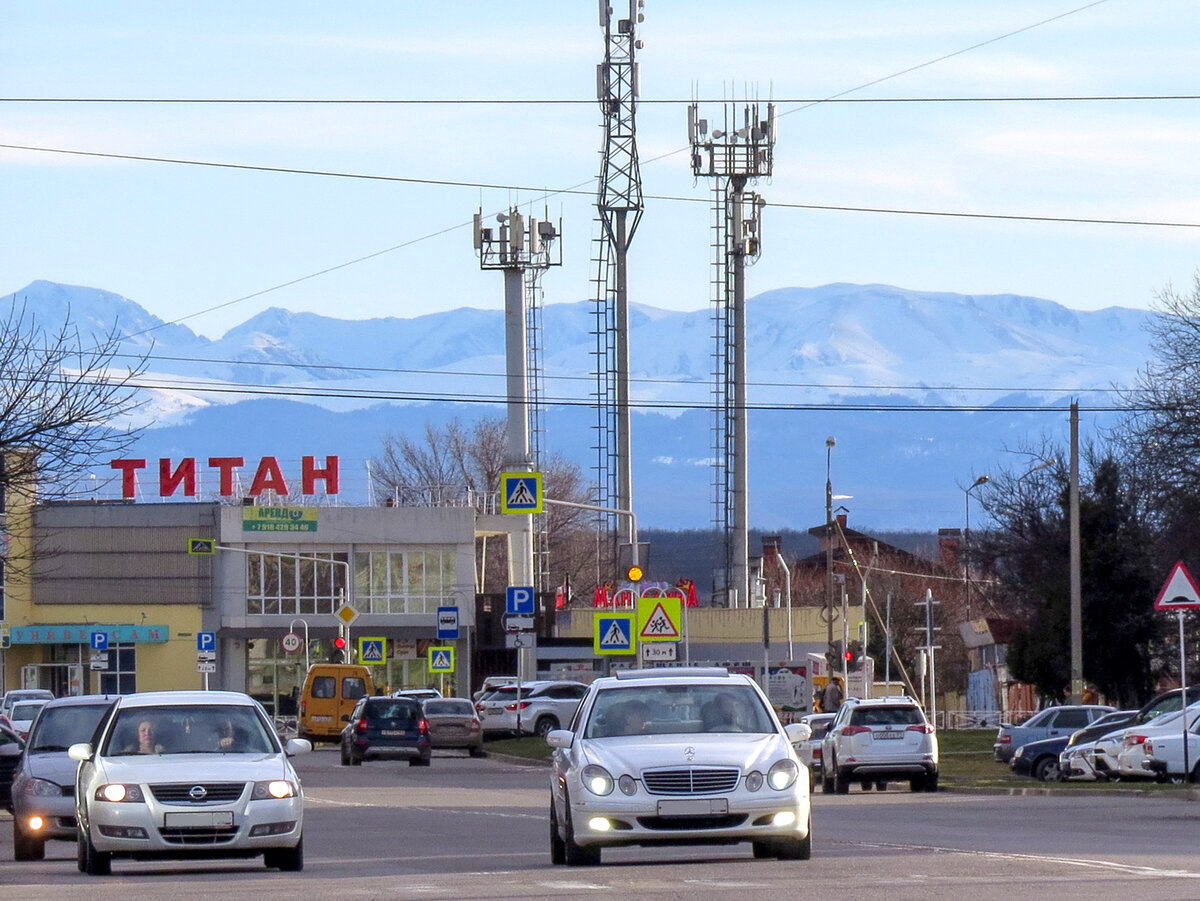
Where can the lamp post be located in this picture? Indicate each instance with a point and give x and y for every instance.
(982, 480)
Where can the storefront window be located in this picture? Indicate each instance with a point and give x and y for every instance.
(408, 582)
(120, 678)
(282, 585)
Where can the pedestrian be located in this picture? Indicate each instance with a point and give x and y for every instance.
(831, 700)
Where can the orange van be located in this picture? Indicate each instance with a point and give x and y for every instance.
(330, 692)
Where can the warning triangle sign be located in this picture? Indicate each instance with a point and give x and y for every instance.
(659, 625)
(1179, 592)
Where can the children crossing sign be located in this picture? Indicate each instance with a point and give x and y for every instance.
(520, 492)
(441, 659)
(659, 619)
(613, 634)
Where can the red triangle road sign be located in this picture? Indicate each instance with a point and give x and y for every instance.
(1179, 592)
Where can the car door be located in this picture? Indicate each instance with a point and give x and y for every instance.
(1067, 721)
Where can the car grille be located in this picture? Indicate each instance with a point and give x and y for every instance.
(193, 836)
(727, 821)
(214, 792)
(691, 780)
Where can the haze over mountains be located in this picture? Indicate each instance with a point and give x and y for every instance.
(922, 391)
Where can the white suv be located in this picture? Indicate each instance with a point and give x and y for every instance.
(542, 708)
(877, 740)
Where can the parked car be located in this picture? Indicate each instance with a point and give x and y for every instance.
(683, 755)
(1105, 750)
(453, 723)
(1132, 762)
(386, 727)
(23, 694)
(11, 748)
(190, 795)
(22, 714)
(809, 750)
(1039, 759)
(490, 684)
(1164, 753)
(878, 740)
(1045, 724)
(533, 708)
(44, 783)
(1075, 761)
(417, 694)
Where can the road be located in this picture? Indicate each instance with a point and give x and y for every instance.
(477, 829)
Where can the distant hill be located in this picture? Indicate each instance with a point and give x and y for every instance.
(923, 391)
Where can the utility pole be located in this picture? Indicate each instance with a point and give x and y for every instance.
(1076, 596)
(740, 152)
(516, 246)
(929, 647)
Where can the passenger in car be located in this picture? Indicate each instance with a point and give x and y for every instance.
(719, 714)
(635, 715)
(145, 743)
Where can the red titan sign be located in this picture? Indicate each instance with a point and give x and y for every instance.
(268, 476)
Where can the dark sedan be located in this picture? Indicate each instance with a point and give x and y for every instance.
(11, 746)
(1039, 759)
(386, 727)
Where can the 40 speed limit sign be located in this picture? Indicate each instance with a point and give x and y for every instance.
(291, 642)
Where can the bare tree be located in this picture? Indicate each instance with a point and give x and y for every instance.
(63, 404)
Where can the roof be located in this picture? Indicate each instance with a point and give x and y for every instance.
(173, 698)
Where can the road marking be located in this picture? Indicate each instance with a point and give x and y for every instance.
(1087, 863)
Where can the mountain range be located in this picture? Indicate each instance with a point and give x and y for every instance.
(922, 391)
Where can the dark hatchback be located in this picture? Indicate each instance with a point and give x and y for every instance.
(386, 727)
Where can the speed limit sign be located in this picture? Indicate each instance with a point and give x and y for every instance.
(291, 642)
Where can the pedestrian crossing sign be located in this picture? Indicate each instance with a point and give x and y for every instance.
(613, 634)
(441, 659)
(520, 492)
(372, 651)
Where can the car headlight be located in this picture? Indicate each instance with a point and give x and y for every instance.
(782, 774)
(118, 792)
(43, 788)
(597, 780)
(627, 784)
(273, 788)
(754, 781)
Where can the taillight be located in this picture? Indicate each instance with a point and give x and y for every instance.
(423, 726)
(303, 707)
(854, 730)
(920, 727)
(474, 727)
(361, 725)
(1131, 740)
(816, 752)
(515, 706)
(1006, 739)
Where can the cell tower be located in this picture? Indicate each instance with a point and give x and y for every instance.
(739, 152)
(619, 209)
(523, 249)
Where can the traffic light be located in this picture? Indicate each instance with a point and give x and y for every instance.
(339, 654)
(634, 574)
(854, 657)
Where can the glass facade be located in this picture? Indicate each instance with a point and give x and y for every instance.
(416, 581)
(295, 585)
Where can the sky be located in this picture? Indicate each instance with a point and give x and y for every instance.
(387, 231)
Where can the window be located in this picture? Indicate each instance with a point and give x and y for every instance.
(353, 687)
(278, 584)
(120, 676)
(1072, 719)
(416, 581)
(324, 687)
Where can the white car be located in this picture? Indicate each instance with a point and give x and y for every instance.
(22, 714)
(23, 694)
(1075, 761)
(809, 750)
(1132, 761)
(188, 774)
(877, 740)
(1164, 754)
(533, 708)
(677, 756)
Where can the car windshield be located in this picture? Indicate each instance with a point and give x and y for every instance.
(449, 708)
(189, 729)
(26, 711)
(677, 709)
(61, 727)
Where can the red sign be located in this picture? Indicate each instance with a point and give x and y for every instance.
(1179, 592)
(267, 477)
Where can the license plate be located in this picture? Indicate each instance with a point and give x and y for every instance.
(887, 735)
(693, 807)
(493, 713)
(392, 732)
(207, 818)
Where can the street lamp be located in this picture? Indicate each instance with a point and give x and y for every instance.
(982, 480)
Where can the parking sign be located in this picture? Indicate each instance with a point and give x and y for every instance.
(206, 641)
(518, 599)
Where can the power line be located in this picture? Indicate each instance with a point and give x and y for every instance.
(551, 101)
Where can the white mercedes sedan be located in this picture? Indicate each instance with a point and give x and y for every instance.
(684, 755)
(186, 775)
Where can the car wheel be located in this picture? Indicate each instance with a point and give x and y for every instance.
(27, 847)
(881, 786)
(931, 782)
(841, 783)
(1195, 777)
(796, 848)
(577, 855)
(1046, 770)
(545, 726)
(80, 851)
(866, 786)
(558, 848)
(477, 752)
(762, 850)
(289, 860)
(826, 784)
(345, 757)
(418, 761)
(95, 863)
(916, 784)
(355, 759)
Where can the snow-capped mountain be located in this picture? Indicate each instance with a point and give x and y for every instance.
(967, 380)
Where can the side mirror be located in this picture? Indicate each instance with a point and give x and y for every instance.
(797, 732)
(80, 752)
(345, 717)
(296, 746)
(560, 738)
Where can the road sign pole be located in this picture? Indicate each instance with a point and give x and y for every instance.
(1183, 698)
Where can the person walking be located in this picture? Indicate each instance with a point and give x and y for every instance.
(831, 699)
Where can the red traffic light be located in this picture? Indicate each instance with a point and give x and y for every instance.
(849, 655)
(339, 643)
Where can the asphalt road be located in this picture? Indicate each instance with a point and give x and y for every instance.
(477, 829)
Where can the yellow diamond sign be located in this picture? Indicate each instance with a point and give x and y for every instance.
(346, 614)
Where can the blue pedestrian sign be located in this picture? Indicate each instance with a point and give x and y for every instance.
(520, 492)
(518, 600)
(447, 623)
(206, 641)
(371, 651)
(441, 660)
(613, 634)
(99, 641)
